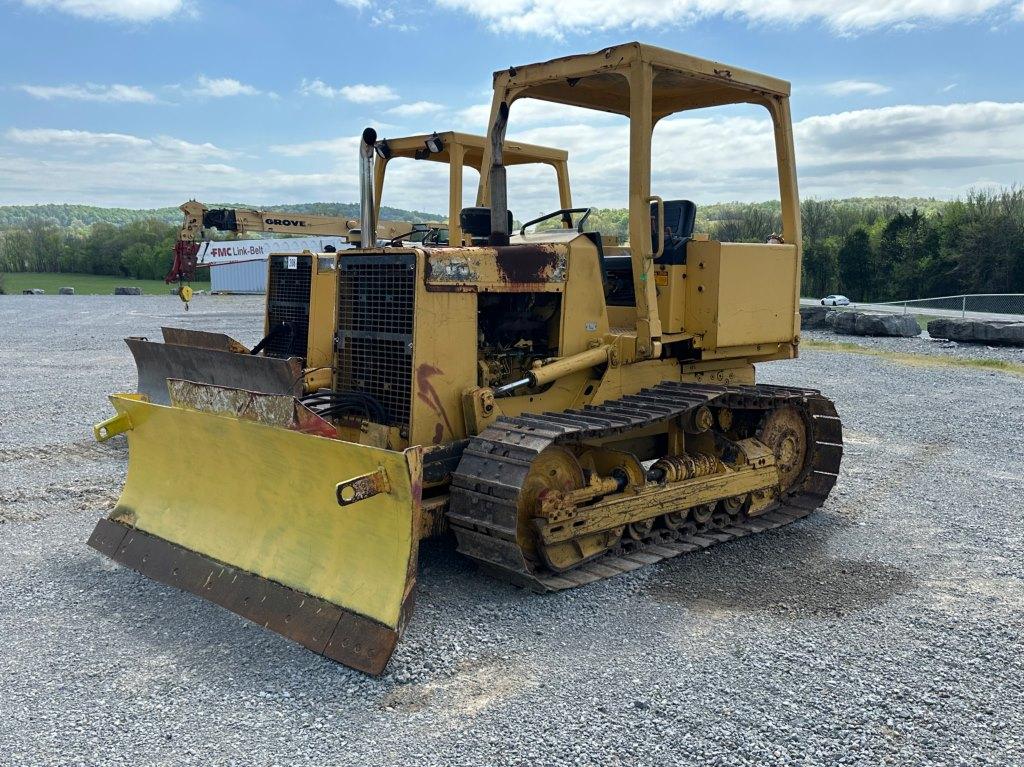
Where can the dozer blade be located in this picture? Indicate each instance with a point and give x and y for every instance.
(312, 537)
(157, 362)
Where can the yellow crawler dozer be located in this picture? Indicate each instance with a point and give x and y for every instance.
(297, 350)
(568, 414)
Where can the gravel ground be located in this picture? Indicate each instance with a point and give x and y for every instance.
(922, 344)
(885, 629)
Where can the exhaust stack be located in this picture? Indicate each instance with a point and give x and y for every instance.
(367, 231)
(499, 194)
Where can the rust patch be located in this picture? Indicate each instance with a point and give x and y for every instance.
(202, 339)
(281, 410)
(360, 488)
(449, 288)
(425, 391)
(438, 433)
(526, 263)
(157, 362)
(308, 422)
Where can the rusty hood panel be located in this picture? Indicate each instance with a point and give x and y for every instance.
(537, 265)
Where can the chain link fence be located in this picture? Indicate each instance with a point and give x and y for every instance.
(1009, 306)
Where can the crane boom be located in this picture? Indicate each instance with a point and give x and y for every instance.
(198, 218)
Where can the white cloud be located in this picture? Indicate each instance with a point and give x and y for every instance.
(89, 140)
(343, 145)
(949, 87)
(475, 117)
(854, 88)
(357, 4)
(318, 87)
(180, 146)
(416, 108)
(222, 87)
(90, 92)
(556, 18)
(81, 138)
(360, 93)
(529, 112)
(386, 17)
(113, 10)
(150, 182)
(416, 185)
(728, 154)
(42, 164)
(708, 156)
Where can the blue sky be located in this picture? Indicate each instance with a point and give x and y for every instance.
(149, 102)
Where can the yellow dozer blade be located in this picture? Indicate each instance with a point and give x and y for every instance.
(310, 536)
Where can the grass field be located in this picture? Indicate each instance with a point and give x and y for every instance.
(85, 284)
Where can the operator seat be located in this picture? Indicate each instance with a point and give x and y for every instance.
(680, 219)
(476, 224)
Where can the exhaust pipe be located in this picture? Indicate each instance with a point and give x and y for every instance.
(367, 231)
(499, 194)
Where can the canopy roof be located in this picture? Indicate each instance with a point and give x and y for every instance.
(516, 152)
(679, 82)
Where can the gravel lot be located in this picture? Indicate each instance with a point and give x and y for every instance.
(922, 344)
(884, 629)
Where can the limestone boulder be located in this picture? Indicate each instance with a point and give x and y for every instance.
(874, 324)
(989, 332)
(814, 317)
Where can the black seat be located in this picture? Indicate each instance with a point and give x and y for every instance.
(476, 223)
(680, 219)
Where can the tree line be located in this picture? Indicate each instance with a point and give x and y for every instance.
(883, 249)
(140, 249)
(872, 249)
(81, 216)
(118, 242)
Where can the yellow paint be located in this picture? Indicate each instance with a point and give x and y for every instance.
(584, 316)
(740, 294)
(671, 295)
(749, 300)
(111, 427)
(262, 499)
(445, 328)
(323, 309)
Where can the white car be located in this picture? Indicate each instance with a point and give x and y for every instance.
(835, 300)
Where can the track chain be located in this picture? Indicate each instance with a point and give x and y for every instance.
(483, 510)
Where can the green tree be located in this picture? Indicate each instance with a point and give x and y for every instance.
(854, 258)
(820, 268)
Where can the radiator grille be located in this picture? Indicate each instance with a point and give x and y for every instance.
(375, 320)
(288, 303)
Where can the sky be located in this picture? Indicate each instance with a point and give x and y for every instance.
(144, 103)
